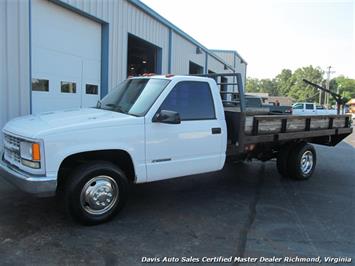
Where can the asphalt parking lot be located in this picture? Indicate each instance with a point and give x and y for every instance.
(245, 210)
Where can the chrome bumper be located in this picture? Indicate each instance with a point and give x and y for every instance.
(39, 186)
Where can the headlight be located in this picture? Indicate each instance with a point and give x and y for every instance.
(30, 154)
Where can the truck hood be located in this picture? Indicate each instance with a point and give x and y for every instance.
(34, 126)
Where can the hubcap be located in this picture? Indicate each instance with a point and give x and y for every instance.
(307, 162)
(99, 195)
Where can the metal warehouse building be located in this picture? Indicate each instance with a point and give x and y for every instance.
(69, 53)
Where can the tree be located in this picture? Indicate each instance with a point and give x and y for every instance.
(252, 85)
(262, 85)
(291, 84)
(346, 87)
(284, 82)
(302, 92)
(268, 86)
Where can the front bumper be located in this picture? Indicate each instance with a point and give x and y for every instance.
(40, 186)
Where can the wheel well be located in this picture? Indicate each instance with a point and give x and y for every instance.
(118, 157)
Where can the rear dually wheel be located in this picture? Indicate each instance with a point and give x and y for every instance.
(302, 161)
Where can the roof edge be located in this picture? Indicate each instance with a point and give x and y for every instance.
(230, 51)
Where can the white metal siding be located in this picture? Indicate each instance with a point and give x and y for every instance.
(184, 51)
(216, 66)
(241, 68)
(228, 57)
(124, 18)
(15, 60)
(70, 53)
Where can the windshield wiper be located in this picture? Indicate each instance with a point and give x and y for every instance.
(116, 107)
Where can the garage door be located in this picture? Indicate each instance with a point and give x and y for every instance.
(66, 58)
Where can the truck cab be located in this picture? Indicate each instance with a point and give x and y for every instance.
(146, 129)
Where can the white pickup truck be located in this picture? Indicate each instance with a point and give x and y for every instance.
(148, 129)
(311, 109)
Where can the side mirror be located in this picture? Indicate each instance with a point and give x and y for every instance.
(167, 117)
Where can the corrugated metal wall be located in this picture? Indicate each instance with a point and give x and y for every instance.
(14, 60)
(226, 56)
(123, 18)
(216, 66)
(184, 51)
(241, 68)
(229, 57)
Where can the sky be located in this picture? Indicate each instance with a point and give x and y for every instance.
(271, 34)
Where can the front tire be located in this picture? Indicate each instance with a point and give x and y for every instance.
(95, 192)
(302, 161)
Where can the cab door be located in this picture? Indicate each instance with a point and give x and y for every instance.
(193, 146)
(310, 109)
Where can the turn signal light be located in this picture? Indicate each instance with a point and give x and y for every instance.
(36, 154)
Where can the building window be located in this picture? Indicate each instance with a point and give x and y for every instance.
(68, 87)
(195, 68)
(40, 85)
(192, 100)
(91, 89)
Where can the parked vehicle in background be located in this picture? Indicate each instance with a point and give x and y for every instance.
(253, 104)
(305, 108)
(154, 128)
(275, 108)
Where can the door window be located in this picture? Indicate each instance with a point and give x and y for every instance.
(91, 89)
(192, 100)
(309, 106)
(68, 87)
(40, 85)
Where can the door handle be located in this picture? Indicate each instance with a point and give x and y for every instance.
(216, 130)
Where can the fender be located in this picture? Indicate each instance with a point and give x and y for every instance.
(127, 138)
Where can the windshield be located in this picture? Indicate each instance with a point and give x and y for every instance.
(297, 106)
(133, 96)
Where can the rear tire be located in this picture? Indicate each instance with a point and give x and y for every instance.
(282, 159)
(302, 161)
(95, 192)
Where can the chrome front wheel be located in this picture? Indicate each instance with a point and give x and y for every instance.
(95, 192)
(99, 195)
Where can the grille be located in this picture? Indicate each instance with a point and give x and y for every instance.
(13, 141)
(12, 149)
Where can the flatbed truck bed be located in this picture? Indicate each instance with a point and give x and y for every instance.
(245, 132)
(257, 134)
